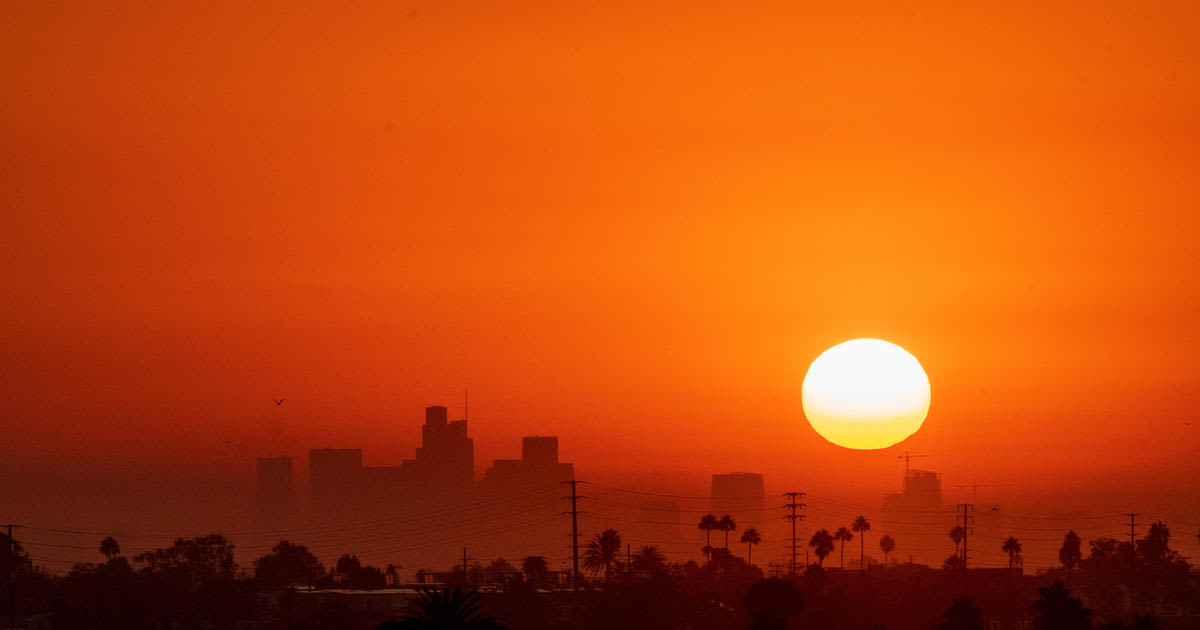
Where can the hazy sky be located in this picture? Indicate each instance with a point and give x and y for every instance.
(632, 227)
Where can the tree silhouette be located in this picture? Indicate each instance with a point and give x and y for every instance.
(603, 551)
(750, 537)
(1057, 610)
(1070, 553)
(536, 568)
(822, 544)
(886, 545)
(771, 603)
(109, 548)
(649, 558)
(438, 609)
(726, 524)
(963, 614)
(1012, 547)
(843, 535)
(957, 534)
(287, 564)
(861, 526)
(708, 523)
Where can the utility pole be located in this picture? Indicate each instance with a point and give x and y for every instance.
(1132, 530)
(12, 579)
(574, 498)
(793, 506)
(466, 565)
(968, 518)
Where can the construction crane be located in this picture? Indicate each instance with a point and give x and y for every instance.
(906, 457)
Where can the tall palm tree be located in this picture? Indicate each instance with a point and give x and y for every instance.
(434, 609)
(109, 548)
(886, 545)
(726, 524)
(843, 535)
(1012, 547)
(708, 523)
(750, 537)
(822, 544)
(603, 551)
(957, 535)
(861, 526)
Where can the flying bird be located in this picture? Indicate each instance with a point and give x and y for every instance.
(278, 402)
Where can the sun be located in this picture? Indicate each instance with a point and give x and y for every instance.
(866, 394)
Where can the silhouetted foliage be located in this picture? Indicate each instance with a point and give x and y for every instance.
(822, 544)
(191, 561)
(1012, 547)
(602, 552)
(109, 548)
(861, 526)
(963, 614)
(287, 564)
(1070, 553)
(649, 558)
(536, 569)
(444, 609)
(1058, 610)
(771, 602)
(726, 524)
(707, 524)
(843, 536)
(887, 545)
(750, 537)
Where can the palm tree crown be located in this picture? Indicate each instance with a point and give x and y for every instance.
(109, 548)
(708, 523)
(1012, 547)
(750, 537)
(886, 545)
(649, 558)
(822, 544)
(726, 524)
(843, 535)
(603, 551)
(445, 609)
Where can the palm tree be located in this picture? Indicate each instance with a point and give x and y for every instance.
(444, 608)
(957, 534)
(1012, 547)
(649, 558)
(109, 548)
(886, 545)
(963, 614)
(602, 552)
(708, 523)
(726, 524)
(750, 537)
(861, 526)
(822, 544)
(843, 535)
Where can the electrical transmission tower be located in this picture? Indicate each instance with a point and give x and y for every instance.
(466, 565)
(793, 506)
(574, 498)
(967, 516)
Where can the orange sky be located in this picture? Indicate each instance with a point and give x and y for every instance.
(632, 227)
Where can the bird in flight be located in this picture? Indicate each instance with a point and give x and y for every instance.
(278, 402)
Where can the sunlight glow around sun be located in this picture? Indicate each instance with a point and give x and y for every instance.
(866, 394)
